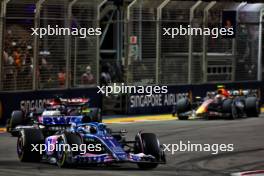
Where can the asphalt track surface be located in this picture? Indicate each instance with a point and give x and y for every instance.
(247, 135)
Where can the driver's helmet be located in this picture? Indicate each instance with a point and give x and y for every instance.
(85, 128)
(85, 110)
(222, 91)
(219, 91)
(88, 129)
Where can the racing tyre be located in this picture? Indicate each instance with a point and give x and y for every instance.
(234, 112)
(62, 156)
(15, 120)
(27, 138)
(148, 144)
(252, 107)
(227, 106)
(96, 115)
(182, 106)
(230, 108)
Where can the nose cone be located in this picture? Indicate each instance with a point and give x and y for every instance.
(201, 110)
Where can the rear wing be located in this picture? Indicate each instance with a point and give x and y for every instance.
(67, 101)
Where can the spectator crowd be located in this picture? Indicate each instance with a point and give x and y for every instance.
(51, 72)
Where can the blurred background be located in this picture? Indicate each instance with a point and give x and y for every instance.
(131, 49)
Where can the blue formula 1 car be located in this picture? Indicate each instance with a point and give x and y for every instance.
(90, 144)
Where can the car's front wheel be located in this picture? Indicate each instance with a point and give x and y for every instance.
(148, 144)
(62, 155)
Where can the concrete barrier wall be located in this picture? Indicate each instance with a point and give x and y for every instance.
(163, 103)
(136, 103)
(27, 100)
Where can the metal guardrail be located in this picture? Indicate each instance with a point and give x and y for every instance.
(174, 60)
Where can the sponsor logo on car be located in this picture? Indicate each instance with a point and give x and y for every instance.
(46, 120)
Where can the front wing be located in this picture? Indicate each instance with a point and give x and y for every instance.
(108, 158)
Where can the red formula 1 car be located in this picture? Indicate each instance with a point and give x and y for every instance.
(223, 104)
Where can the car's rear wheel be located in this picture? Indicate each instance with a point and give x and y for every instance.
(148, 144)
(183, 106)
(15, 120)
(252, 107)
(227, 105)
(234, 112)
(27, 138)
(230, 109)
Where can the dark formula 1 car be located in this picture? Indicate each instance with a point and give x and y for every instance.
(109, 147)
(57, 113)
(231, 107)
